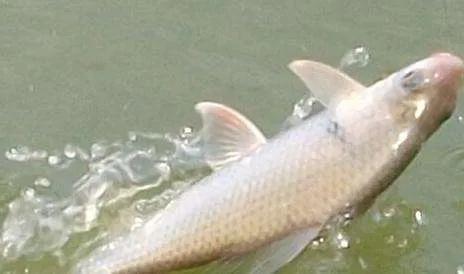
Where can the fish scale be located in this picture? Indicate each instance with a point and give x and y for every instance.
(311, 187)
(343, 156)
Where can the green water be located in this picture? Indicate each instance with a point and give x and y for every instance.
(81, 71)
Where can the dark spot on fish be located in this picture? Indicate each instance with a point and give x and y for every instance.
(412, 80)
(335, 129)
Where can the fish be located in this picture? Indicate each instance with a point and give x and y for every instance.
(273, 196)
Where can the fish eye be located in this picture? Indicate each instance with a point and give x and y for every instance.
(412, 80)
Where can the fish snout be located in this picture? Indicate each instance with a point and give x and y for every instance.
(448, 72)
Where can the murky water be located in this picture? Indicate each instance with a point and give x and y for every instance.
(85, 84)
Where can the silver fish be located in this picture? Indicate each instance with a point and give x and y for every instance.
(280, 192)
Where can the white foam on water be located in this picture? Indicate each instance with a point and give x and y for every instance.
(39, 222)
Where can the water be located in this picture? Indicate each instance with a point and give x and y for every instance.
(84, 85)
(118, 178)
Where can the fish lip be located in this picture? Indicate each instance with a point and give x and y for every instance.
(454, 63)
(449, 70)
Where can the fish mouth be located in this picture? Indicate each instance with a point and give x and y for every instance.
(449, 70)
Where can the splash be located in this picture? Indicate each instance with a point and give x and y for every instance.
(302, 109)
(358, 56)
(38, 222)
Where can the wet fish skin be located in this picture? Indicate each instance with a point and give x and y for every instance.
(298, 180)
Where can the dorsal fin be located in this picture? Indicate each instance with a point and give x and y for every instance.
(226, 134)
(324, 82)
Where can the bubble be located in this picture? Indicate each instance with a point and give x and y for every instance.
(54, 160)
(389, 212)
(24, 154)
(301, 110)
(29, 193)
(358, 56)
(132, 136)
(460, 118)
(348, 216)
(164, 169)
(70, 151)
(97, 150)
(419, 217)
(186, 133)
(403, 243)
(342, 241)
(314, 244)
(318, 241)
(304, 107)
(38, 155)
(42, 181)
(390, 239)
(18, 154)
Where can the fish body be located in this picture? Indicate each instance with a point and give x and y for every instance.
(263, 191)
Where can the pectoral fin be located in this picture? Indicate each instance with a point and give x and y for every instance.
(324, 82)
(268, 259)
(227, 135)
(276, 255)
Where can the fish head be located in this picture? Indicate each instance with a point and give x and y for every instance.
(427, 90)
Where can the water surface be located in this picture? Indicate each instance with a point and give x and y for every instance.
(81, 72)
